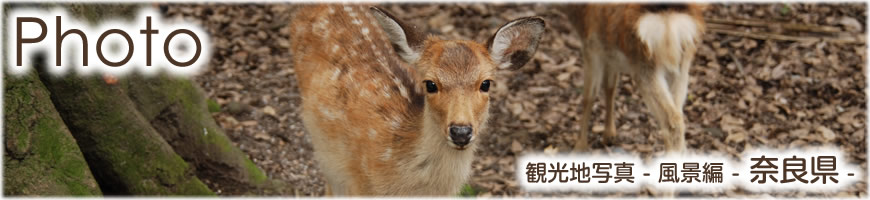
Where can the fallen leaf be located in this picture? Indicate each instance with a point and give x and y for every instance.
(250, 123)
(551, 150)
(827, 134)
(270, 111)
(262, 136)
(736, 137)
(516, 146)
(598, 128)
(851, 24)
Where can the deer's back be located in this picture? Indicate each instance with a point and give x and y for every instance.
(347, 71)
(357, 96)
(643, 32)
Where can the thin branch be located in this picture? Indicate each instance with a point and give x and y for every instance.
(786, 26)
(774, 36)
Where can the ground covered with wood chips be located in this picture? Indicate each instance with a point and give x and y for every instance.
(747, 91)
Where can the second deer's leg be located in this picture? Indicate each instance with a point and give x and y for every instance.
(679, 87)
(657, 97)
(679, 80)
(592, 73)
(611, 82)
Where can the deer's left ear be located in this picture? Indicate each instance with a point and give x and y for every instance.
(515, 43)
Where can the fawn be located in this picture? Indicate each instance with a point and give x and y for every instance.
(654, 44)
(391, 111)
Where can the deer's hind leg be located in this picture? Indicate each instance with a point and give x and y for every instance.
(593, 72)
(657, 96)
(611, 83)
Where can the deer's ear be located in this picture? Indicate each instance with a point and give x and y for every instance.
(407, 41)
(514, 44)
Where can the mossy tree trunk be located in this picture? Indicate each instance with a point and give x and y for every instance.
(126, 154)
(135, 136)
(41, 156)
(178, 110)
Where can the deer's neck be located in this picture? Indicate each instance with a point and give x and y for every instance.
(436, 164)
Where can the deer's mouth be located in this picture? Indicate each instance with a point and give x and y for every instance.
(460, 147)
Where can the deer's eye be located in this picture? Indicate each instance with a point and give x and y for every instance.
(431, 87)
(484, 87)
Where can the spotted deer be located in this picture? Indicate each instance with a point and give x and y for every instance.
(389, 110)
(654, 44)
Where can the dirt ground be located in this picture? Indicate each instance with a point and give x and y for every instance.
(744, 92)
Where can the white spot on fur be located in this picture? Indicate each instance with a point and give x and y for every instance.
(387, 154)
(385, 90)
(330, 115)
(335, 48)
(394, 123)
(335, 74)
(402, 90)
(321, 27)
(388, 69)
(300, 28)
(331, 10)
(372, 134)
(382, 61)
(667, 35)
(356, 22)
(348, 8)
(365, 30)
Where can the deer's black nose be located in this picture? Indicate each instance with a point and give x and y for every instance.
(460, 134)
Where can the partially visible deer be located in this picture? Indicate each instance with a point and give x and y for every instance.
(654, 44)
(391, 111)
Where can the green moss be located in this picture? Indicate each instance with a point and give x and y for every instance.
(257, 175)
(215, 138)
(51, 163)
(785, 10)
(467, 191)
(193, 187)
(213, 106)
